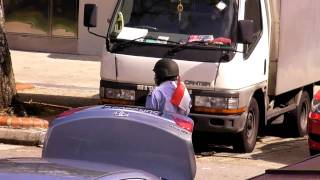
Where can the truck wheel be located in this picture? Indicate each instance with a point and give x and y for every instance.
(200, 142)
(245, 141)
(298, 118)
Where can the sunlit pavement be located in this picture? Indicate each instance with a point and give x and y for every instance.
(13, 151)
(270, 153)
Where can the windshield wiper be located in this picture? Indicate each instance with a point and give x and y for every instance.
(128, 43)
(200, 45)
(151, 28)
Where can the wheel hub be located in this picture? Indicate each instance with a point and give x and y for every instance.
(304, 115)
(250, 124)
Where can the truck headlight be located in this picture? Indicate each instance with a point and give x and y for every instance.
(216, 102)
(217, 105)
(123, 94)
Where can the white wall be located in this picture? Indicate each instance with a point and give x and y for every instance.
(88, 43)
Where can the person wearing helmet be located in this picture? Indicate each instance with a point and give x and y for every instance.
(170, 95)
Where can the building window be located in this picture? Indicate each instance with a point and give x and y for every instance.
(56, 18)
(64, 18)
(27, 16)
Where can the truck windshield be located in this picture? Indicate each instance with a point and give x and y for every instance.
(178, 19)
(172, 22)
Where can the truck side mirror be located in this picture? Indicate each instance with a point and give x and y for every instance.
(90, 15)
(245, 31)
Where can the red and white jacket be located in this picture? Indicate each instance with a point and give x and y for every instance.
(170, 96)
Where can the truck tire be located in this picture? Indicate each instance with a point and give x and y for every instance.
(313, 152)
(200, 143)
(245, 141)
(298, 118)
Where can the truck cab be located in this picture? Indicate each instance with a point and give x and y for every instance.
(230, 54)
(218, 45)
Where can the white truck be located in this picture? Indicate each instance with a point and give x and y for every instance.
(246, 63)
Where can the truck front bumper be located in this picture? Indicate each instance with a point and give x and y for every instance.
(219, 123)
(203, 122)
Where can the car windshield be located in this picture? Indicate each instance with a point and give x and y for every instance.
(175, 20)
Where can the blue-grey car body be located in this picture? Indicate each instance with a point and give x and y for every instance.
(137, 141)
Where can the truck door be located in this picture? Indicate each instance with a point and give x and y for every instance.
(256, 53)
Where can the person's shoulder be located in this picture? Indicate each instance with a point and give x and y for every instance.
(167, 84)
(156, 92)
(156, 89)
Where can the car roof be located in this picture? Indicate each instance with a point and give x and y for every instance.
(131, 137)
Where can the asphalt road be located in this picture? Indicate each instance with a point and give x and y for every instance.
(270, 153)
(220, 162)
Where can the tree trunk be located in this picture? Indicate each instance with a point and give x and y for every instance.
(7, 83)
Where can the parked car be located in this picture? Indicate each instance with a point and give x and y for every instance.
(112, 143)
(307, 169)
(314, 125)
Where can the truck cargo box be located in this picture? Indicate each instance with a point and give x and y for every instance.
(295, 44)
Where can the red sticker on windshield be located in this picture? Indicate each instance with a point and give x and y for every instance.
(202, 38)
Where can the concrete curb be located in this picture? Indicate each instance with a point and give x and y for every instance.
(23, 122)
(23, 130)
(24, 86)
(32, 137)
(32, 130)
